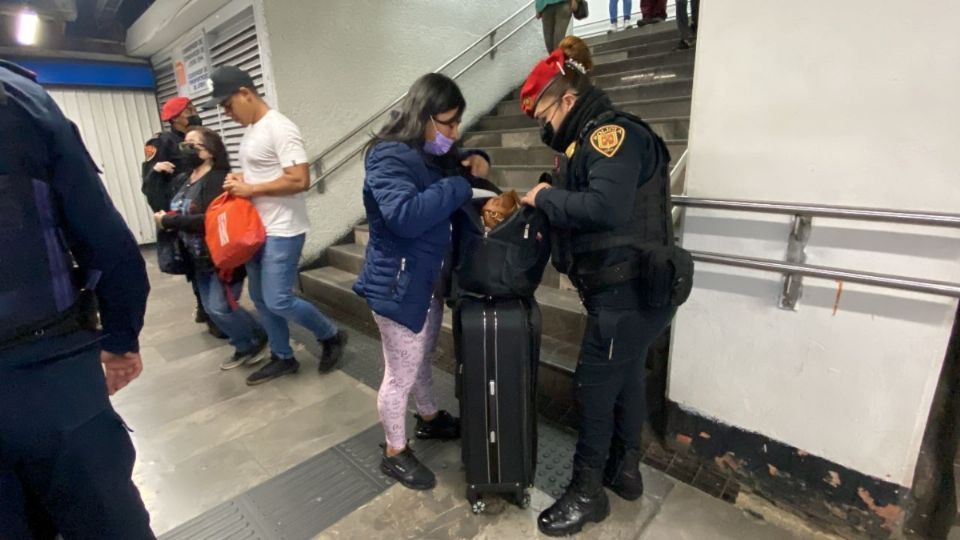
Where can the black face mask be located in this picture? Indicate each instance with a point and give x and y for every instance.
(194, 120)
(191, 158)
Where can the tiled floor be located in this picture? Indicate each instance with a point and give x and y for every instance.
(203, 437)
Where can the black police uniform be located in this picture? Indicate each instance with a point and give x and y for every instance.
(160, 188)
(66, 457)
(613, 213)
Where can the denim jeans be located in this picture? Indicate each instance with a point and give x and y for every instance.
(272, 273)
(627, 8)
(242, 329)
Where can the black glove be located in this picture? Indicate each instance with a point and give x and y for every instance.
(546, 178)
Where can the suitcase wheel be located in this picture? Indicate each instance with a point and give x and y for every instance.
(478, 507)
(522, 499)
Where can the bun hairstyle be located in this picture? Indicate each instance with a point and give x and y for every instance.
(578, 64)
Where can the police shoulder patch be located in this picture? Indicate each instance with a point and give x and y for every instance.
(149, 152)
(608, 139)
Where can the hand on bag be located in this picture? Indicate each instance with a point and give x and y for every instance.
(164, 167)
(120, 369)
(478, 166)
(530, 199)
(236, 186)
(158, 218)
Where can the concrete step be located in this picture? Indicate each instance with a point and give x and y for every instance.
(643, 62)
(669, 128)
(645, 76)
(663, 89)
(543, 156)
(634, 50)
(632, 36)
(651, 108)
(563, 315)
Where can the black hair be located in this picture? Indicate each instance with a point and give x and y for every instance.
(214, 144)
(430, 95)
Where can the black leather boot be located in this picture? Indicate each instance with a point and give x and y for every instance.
(584, 501)
(622, 474)
(444, 427)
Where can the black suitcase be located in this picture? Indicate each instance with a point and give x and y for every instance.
(497, 344)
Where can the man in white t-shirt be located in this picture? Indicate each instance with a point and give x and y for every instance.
(275, 173)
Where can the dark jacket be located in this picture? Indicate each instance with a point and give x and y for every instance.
(409, 198)
(96, 234)
(160, 187)
(615, 186)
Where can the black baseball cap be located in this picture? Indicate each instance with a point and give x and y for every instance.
(226, 81)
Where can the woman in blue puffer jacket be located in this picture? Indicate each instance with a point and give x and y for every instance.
(416, 178)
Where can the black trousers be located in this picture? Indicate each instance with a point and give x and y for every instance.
(66, 457)
(610, 377)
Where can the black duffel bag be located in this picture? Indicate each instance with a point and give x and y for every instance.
(505, 262)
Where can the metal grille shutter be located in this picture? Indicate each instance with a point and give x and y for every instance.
(232, 43)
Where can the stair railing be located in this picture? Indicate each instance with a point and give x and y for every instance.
(316, 165)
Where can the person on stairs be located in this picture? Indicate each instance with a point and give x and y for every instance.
(612, 212)
(627, 7)
(555, 16)
(416, 178)
(687, 29)
(275, 173)
(204, 166)
(652, 12)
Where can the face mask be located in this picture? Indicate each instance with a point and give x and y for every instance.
(547, 133)
(440, 145)
(191, 158)
(194, 120)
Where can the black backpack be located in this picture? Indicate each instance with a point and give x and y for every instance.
(505, 262)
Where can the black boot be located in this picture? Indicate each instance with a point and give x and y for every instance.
(584, 501)
(407, 469)
(215, 330)
(444, 426)
(622, 474)
(332, 351)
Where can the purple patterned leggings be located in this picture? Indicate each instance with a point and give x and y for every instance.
(408, 367)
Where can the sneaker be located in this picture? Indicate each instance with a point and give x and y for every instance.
(683, 45)
(407, 469)
(199, 315)
(613, 28)
(249, 357)
(332, 352)
(276, 367)
(444, 427)
(626, 24)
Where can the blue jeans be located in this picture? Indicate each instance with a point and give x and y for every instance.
(627, 9)
(272, 273)
(242, 329)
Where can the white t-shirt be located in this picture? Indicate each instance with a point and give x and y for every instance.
(267, 147)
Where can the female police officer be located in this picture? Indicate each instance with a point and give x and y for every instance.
(615, 241)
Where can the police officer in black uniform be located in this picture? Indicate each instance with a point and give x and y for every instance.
(614, 239)
(66, 256)
(162, 155)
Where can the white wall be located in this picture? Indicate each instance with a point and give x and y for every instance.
(335, 66)
(852, 103)
(114, 125)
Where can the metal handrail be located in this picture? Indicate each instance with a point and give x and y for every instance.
(934, 219)
(941, 288)
(360, 127)
(821, 210)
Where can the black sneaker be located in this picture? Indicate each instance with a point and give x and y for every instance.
(444, 427)
(199, 315)
(332, 352)
(407, 469)
(249, 357)
(276, 367)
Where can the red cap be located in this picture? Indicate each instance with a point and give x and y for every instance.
(173, 107)
(539, 78)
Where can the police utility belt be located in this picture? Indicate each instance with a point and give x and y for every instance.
(81, 316)
(664, 273)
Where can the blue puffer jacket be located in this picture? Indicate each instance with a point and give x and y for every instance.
(409, 201)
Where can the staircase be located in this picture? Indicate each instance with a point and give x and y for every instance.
(643, 75)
